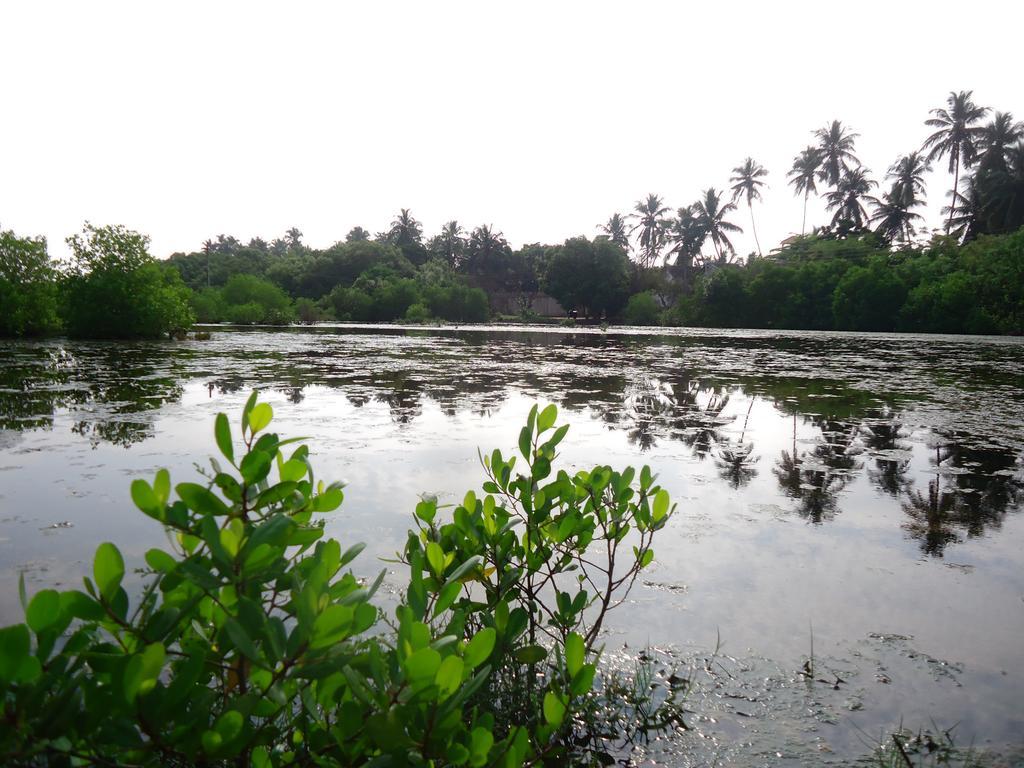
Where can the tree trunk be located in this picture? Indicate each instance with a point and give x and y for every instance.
(803, 224)
(753, 226)
(956, 184)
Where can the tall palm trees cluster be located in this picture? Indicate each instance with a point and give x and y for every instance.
(986, 161)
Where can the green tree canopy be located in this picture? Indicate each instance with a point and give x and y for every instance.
(114, 289)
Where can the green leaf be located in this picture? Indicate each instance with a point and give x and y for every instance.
(531, 654)
(241, 639)
(660, 506)
(293, 470)
(143, 670)
(583, 680)
(646, 558)
(79, 605)
(423, 665)
(160, 561)
(425, 510)
(229, 725)
(211, 741)
(144, 498)
(247, 408)
(554, 708)
(436, 558)
(479, 648)
(525, 436)
(43, 610)
(202, 500)
(14, 649)
(260, 416)
(575, 652)
(329, 500)
(162, 486)
(255, 466)
(332, 626)
(222, 432)
(481, 741)
(449, 592)
(351, 553)
(449, 675)
(108, 569)
(546, 418)
(464, 568)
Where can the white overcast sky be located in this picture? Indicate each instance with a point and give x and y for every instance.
(184, 120)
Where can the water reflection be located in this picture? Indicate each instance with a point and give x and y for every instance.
(658, 391)
(973, 488)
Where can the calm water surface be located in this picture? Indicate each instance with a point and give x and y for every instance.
(867, 486)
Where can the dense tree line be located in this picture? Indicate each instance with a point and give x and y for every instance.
(110, 287)
(871, 266)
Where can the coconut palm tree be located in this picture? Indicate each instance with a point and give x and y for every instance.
(405, 230)
(995, 141)
(687, 234)
(450, 243)
(965, 212)
(849, 196)
(615, 230)
(907, 176)
(1004, 194)
(894, 213)
(652, 223)
(835, 143)
(956, 135)
(293, 237)
(893, 218)
(486, 249)
(711, 214)
(803, 174)
(746, 182)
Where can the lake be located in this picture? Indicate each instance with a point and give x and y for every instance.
(862, 490)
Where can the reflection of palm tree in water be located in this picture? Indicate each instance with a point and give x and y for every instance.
(700, 427)
(658, 409)
(983, 483)
(736, 462)
(814, 480)
(930, 518)
(883, 437)
(648, 402)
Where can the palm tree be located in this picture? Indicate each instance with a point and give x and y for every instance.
(450, 244)
(996, 140)
(711, 214)
(405, 230)
(293, 237)
(893, 213)
(615, 230)
(835, 143)
(893, 218)
(747, 182)
(849, 196)
(687, 233)
(968, 207)
(651, 222)
(1004, 194)
(485, 249)
(956, 136)
(806, 167)
(357, 235)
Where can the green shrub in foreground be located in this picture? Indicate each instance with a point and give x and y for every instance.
(250, 643)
